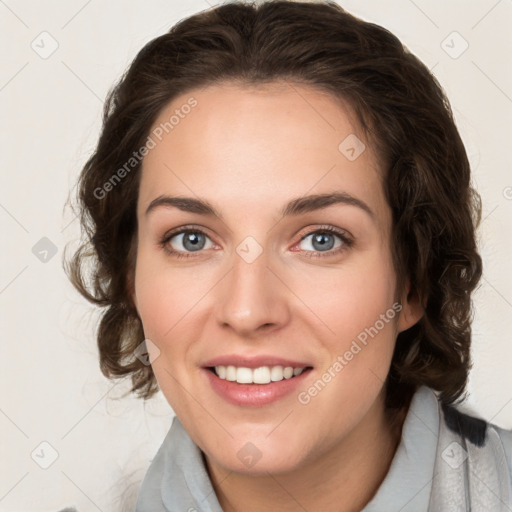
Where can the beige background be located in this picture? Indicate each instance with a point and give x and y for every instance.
(50, 108)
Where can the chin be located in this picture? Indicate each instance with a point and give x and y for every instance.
(259, 456)
(256, 463)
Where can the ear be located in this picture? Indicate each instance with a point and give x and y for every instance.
(133, 296)
(412, 309)
(130, 287)
(130, 274)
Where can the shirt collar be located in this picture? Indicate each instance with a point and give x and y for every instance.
(177, 479)
(186, 484)
(408, 483)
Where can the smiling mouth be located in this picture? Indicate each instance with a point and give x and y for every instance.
(260, 375)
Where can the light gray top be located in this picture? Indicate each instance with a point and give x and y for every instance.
(177, 480)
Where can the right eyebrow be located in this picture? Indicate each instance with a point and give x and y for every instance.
(186, 204)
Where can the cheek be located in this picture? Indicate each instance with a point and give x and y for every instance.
(170, 302)
(359, 319)
(358, 348)
(352, 298)
(165, 300)
(164, 297)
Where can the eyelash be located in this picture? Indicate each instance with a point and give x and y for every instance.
(347, 242)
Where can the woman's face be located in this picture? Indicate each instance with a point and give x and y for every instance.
(260, 286)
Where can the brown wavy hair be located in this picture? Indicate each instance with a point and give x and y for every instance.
(402, 110)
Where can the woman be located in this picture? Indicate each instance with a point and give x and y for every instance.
(283, 230)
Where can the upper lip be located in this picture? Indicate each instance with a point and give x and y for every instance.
(253, 362)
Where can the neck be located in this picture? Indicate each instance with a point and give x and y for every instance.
(343, 480)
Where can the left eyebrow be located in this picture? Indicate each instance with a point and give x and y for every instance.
(297, 206)
(307, 204)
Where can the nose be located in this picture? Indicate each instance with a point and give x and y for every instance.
(252, 298)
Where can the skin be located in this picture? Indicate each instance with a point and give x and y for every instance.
(248, 151)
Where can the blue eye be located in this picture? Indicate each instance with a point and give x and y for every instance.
(194, 240)
(323, 242)
(191, 240)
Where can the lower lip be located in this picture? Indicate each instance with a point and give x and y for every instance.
(255, 395)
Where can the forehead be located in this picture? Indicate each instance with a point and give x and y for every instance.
(239, 144)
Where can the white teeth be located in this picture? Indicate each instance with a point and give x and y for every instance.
(276, 373)
(244, 375)
(230, 373)
(288, 372)
(261, 375)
